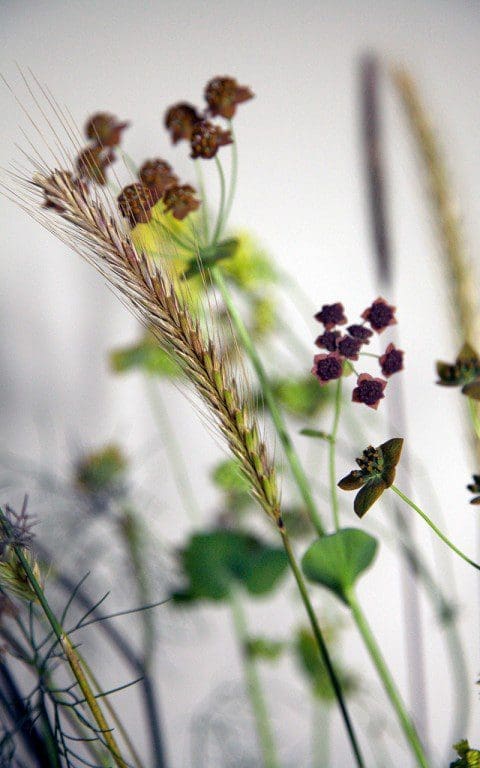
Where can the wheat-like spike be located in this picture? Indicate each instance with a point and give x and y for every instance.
(150, 293)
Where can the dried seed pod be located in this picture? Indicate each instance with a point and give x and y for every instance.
(181, 201)
(135, 202)
(207, 139)
(93, 162)
(180, 120)
(222, 95)
(104, 129)
(158, 176)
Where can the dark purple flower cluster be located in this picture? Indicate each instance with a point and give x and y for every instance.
(347, 346)
(184, 122)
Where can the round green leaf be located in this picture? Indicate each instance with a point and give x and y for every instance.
(336, 561)
(215, 562)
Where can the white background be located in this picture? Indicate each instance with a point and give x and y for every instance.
(301, 188)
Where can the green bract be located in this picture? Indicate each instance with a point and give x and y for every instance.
(376, 473)
(464, 372)
(336, 561)
(214, 563)
(468, 758)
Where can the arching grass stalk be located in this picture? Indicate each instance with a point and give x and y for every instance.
(151, 294)
(332, 449)
(434, 528)
(233, 177)
(70, 653)
(277, 417)
(302, 588)
(387, 680)
(263, 725)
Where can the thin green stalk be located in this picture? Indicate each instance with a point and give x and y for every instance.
(387, 680)
(254, 687)
(70, 654)
(320, 733)
(233, 176)
(277, 418)
(474, 416)
(434, 527)
(174, 454)
(221, 207)
(332, 449)
(324, 654)
(203, 197)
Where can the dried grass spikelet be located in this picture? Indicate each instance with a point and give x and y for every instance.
(13, 579)
(447, 211)
(84, 223)
(466, 299)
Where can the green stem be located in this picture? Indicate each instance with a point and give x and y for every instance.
(221, 207)
(203, 197)
(70, 653)
(434, 527)
(233, 177)
(277, 418)
(254, 687)
(332, 449)
(174, 453)
(475, 419)
(324, 654)
(387, 680)
(320, 733)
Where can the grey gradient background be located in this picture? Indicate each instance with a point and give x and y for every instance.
(301, 188)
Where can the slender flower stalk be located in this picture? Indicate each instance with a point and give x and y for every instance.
(70, 653)
(332, 450)
(434, 528)
(221, 208)
(387, 680)
(263, 725)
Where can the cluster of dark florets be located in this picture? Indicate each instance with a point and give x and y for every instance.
(347, 346)
(18, 528)
(103, 132)
(185, 122)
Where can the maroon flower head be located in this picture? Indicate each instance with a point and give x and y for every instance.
(180, 120)
(206, 139)
(158, 176)
(328, 340)
(93, 162)
(181, 201)
(331, 315)
(360, 332)
(135, 202)
(380, 315)
(349, 347)
(222, 95)
(391, 361)
(104, 129)
(369, 390)
(327, 367)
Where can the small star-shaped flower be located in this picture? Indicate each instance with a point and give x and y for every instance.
(369, 390)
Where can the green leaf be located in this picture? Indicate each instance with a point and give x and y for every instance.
(302, 398)
(316, 433)
(368, 495)
(146, 356)
(310, 662)
(215, 562)
(391, 452)
(336, 561)
(264, 648)
(228, 476)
